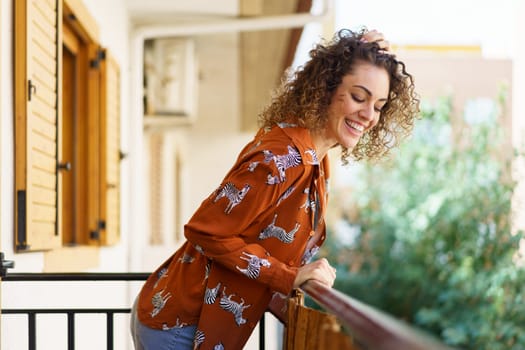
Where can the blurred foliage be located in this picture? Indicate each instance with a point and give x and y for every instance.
(433, 243)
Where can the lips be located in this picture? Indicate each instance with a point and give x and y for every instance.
(355, 126)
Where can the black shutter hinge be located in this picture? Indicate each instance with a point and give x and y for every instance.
(95, 234)
(95, 63)
(101, 224)
(21, 231)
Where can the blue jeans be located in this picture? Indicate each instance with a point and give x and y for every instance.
(145, 338)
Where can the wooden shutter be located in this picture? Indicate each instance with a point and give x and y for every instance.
(37, 77)
(110, 147)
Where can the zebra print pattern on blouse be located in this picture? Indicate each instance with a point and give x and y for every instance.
(313, 155)
(282, 163)
(163, 273)
(234, 195)
(159, 301)
(309, 203)
(279, 232)
(210, 295)
(218, 346)
(254, 265)
(235, 308)
(199, 339)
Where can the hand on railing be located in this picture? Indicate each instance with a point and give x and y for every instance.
(319, 270)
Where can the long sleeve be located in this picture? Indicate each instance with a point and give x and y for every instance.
(227, 226)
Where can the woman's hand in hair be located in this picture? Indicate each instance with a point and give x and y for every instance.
(373, 36)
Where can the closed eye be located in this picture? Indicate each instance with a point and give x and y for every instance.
(380, 109)
(357, 99)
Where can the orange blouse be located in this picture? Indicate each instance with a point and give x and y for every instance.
(245, 242)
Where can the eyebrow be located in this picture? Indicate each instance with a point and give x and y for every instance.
(368, 92)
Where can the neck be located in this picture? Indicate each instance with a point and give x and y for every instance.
(322, 143)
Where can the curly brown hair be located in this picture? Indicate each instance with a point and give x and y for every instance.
(304, 95)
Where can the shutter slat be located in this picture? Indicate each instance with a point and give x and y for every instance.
(47, 10)
(41, 79)
(44, 178)
(43, 144)
(45, 57)
(44, 127)
(47, 48)
(44, 196)
(44, 212)
(41, 230)
(51, 3)
(43, 110)
(45, 162)
(44, 17)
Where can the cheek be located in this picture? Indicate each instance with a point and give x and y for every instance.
(346, 106)
(374, 122)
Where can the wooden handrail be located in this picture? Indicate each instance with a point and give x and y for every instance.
(367, 325)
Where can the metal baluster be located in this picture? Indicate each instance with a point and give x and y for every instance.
(71, 331)
(109, 330)
(31, 327)
(262, 332)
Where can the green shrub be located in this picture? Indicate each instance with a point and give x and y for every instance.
(434, 244)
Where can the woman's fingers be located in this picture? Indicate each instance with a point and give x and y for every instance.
(319, 270)
(377, 37)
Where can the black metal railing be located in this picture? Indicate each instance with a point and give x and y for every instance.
(369, 327)
(71, 312)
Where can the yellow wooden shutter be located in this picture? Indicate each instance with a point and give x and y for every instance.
(37, 32)
(110, 148)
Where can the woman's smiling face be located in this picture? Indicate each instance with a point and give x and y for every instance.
(356, 105)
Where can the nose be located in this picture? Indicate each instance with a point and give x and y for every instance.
(367, 112)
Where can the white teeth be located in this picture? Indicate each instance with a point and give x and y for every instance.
(356, 126)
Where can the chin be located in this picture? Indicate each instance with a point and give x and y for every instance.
(349, 145)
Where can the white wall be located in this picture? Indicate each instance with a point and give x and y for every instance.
(6, 128)
(209, 144)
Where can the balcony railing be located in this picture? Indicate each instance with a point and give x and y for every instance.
(363, 326)
(70, 312)
(370, 328)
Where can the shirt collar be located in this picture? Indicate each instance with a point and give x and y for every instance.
(302, 140)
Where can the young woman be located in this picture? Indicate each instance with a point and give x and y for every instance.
(255, 235)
